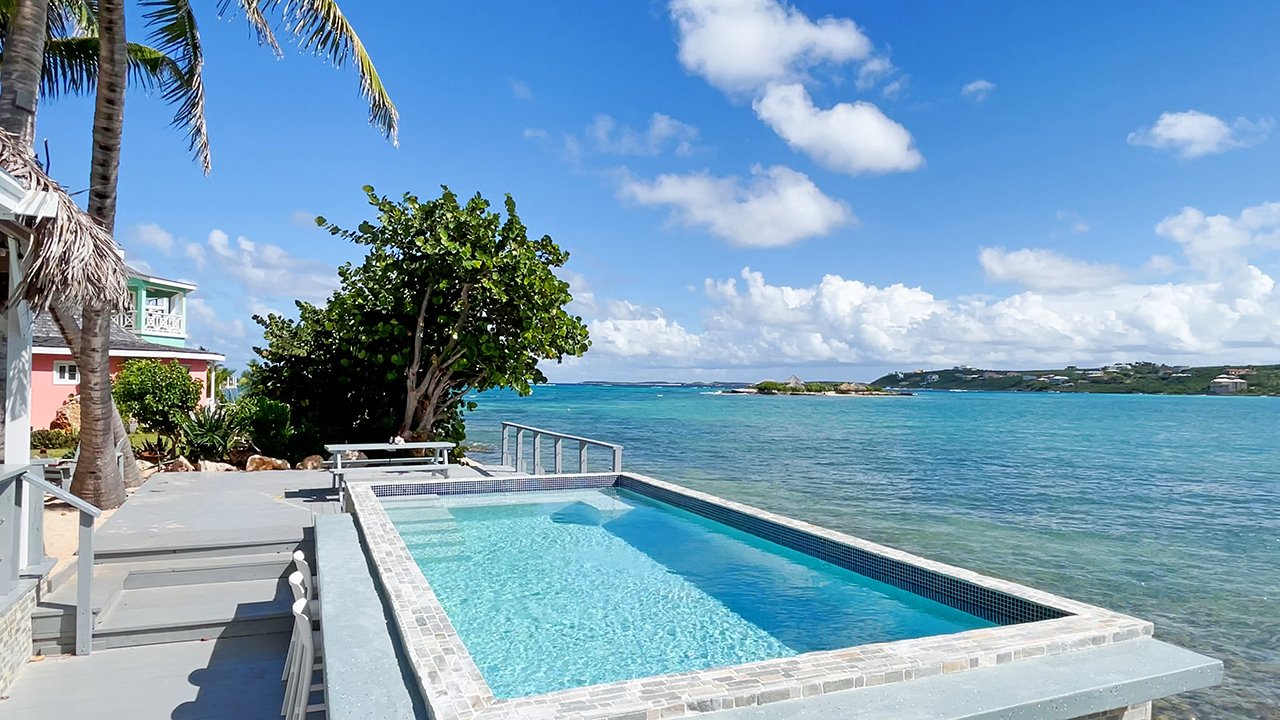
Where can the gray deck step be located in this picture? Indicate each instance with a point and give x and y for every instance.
(53, 622)
(151, 615)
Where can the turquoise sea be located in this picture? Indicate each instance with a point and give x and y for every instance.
(1167, 508)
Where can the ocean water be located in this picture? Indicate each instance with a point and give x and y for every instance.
(558, 590)
(1167, 508)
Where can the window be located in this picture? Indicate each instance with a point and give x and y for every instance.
(65, 373)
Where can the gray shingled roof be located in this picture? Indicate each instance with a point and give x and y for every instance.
(44, 333)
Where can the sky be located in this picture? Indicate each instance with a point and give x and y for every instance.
(752, 188)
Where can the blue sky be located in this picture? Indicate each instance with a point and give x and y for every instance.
(752, 188)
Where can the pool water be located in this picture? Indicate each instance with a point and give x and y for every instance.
(553, 590)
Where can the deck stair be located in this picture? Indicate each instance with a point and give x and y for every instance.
(159, 598)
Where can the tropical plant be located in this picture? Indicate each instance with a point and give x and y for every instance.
(157, 394)
(212, 433)
(449, 298)
(52, 439)
(269, 425)
(158, 449)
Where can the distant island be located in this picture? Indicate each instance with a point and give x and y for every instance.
(1139, 377)
(796, 386)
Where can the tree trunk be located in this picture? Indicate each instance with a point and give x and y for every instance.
(66, 323)
(96, 478)
(23, 64)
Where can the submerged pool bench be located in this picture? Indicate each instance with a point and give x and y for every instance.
(435, 460)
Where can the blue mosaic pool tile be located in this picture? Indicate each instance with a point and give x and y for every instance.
(986, 603)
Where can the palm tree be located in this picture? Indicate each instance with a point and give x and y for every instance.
(316, 25)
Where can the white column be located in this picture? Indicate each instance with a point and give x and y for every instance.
(17, 397)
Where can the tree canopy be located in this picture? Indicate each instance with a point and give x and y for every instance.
(450, 298)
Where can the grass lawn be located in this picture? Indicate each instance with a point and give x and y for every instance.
(135, 439)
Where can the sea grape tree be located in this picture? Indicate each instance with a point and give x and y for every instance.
(450, 298)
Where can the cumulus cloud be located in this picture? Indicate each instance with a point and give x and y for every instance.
(1225, 312)
(663, 132)
(850, 138)
(1193, 134)
(1046, 270)
(151, 236)
(978, 90)
(873, 71)
(778, 206)
(267, 269)
(739, 45)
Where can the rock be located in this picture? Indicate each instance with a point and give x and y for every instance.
(180, 465)
(147, 469)
(354, 455)
(212, 466)
(259, 462)
(68, 416)
(312, 462)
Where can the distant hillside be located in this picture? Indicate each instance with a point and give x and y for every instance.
(1142, 377)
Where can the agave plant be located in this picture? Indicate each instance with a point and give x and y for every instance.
(213, 434)
(158, 450)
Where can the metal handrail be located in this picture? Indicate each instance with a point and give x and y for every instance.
(515, 458)
(29, 483)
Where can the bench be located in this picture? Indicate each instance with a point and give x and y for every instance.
(435, 462)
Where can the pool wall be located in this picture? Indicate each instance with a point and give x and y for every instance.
(1033, 623)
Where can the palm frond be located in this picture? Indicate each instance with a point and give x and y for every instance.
(72, 260)
(174, 33)
(71, 67)
(321, 28)
(257, 20)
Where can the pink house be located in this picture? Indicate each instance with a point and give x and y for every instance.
(159, 313)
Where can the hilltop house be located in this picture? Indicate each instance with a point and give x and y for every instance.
(154, 327)
(1227, 385)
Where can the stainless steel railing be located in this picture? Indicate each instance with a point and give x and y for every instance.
(514, 455)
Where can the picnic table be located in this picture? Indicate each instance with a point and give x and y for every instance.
(434, 460)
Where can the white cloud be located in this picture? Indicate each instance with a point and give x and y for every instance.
(266, 269)
(779, 206)
(1226, 312)
(1193, 134)
(664, 131)
(978, 90)
(538, 133)
(1074, 221)
(520, 90)
(894, 88)
(1046, 270)
(152, 236)
(739, 45)
(851, 138)
(873, 71)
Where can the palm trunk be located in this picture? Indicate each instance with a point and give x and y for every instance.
(66, 323)
(23, 64)
(96, 478)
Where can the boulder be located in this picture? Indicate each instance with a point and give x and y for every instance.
(354, 455)
(212, 466)
(179, 465)
(312, 462)
(147, 469)
(259, 462)
(68, 416)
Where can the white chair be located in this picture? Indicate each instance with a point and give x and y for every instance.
(302, 584)
(302, 667)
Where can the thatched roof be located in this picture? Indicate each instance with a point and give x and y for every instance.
(72, 259)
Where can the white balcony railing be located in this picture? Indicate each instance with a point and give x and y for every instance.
(125, 320)
(161, 322)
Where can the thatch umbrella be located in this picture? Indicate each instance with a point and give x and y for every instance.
(72, 260)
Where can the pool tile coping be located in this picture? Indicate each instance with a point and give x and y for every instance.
(454, 688)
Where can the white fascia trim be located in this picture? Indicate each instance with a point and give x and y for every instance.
(184, 355)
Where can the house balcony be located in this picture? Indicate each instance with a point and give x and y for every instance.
(160, 322)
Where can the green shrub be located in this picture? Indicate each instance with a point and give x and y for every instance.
(52, 439)
(212, 434)
(269, 426)
(158, 449)
(156, 394)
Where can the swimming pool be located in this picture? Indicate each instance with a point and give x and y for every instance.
(558, 589)
(615, 595)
